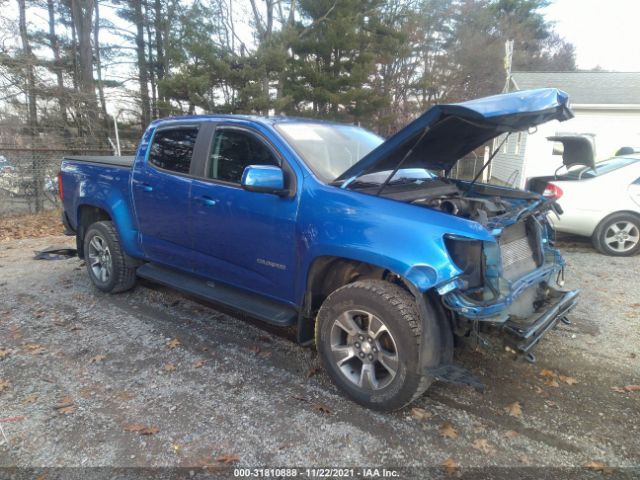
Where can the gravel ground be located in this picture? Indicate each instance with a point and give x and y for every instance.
(153, 378)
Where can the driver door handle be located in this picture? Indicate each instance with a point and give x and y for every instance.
(208, 201)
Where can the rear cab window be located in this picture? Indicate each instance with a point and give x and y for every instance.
(172, 148)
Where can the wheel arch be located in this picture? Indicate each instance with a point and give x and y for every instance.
(595, 236)
(618, 212)
(328, 273)
(86, 216)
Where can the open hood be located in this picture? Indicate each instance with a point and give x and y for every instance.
(445, 133)
(577, 149)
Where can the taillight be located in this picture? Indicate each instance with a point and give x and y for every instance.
(552, 191)
(60, 190)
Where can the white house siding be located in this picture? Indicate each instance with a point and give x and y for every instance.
(507, 166)
(612, 127)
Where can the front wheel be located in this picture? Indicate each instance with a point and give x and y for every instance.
(368, 338)
(618, 235)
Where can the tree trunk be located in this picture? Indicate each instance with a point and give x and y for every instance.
(143, 72)
(96, 46)
(160, 58)
(36, 167)
(152, 67)
(82, 19)
(57, 64)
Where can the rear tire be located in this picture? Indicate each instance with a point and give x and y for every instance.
(110, 268)
(618, 235)
(368, 337)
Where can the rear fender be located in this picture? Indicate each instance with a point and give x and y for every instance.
(117, 208)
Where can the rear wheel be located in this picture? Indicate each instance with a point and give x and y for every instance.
(618, 235)
(368, 337)
(110, 268)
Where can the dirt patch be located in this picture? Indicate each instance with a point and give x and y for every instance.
(153, 378)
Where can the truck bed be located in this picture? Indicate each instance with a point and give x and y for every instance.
(124, 161)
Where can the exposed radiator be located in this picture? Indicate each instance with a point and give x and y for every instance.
(516, 252)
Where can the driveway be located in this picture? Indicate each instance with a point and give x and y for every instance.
(153, 378)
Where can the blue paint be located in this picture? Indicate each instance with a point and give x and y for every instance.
(267, 243)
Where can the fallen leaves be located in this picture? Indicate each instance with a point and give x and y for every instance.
(66, 406)
(172, 344)
(545, 373)
(4, 384)
(199, 364)
(141, 429)
(4, 354)
(510, 434)
(626, 389)
(29, 226)
(169, 367)
(420, 413)
(97, 359)
(228, 458)
(483, 445)
(598, 466)
(30, 399)
(514, 409)
(450, 466)
(34, 348)
(447, 430)
(551, 378)
(568, 380)
(318, 407)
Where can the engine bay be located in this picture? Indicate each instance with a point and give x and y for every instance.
(448, 196)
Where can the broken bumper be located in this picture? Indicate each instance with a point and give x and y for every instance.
(522, 337)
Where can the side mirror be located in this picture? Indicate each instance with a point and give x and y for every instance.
(263, 178)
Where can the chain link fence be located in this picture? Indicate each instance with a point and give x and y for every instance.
(30, 161)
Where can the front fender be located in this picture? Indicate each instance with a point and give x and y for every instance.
(405, 239)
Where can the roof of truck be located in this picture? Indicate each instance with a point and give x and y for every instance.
(267, 120)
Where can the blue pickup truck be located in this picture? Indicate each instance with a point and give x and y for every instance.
(367, 246)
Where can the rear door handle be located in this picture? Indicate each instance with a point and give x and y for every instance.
(146, 187)
(208, 201)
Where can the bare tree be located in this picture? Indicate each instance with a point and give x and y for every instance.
(54, 44)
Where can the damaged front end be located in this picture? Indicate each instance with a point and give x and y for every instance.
(513, 285)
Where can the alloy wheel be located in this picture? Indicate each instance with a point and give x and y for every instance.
(100, 259)
(622, 236)
(364, 350)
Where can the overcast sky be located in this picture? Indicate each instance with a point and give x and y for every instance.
(605, 32)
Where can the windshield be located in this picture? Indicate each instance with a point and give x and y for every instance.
(329, 150)
(600, 168)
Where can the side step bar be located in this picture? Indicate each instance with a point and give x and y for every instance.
(264, 309)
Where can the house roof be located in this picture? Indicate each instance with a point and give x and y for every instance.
(586, 87)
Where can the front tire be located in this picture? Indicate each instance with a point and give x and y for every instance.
(368, 337)
(618, 235)
(110, 268)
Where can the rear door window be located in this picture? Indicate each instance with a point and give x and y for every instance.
(172, 148)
